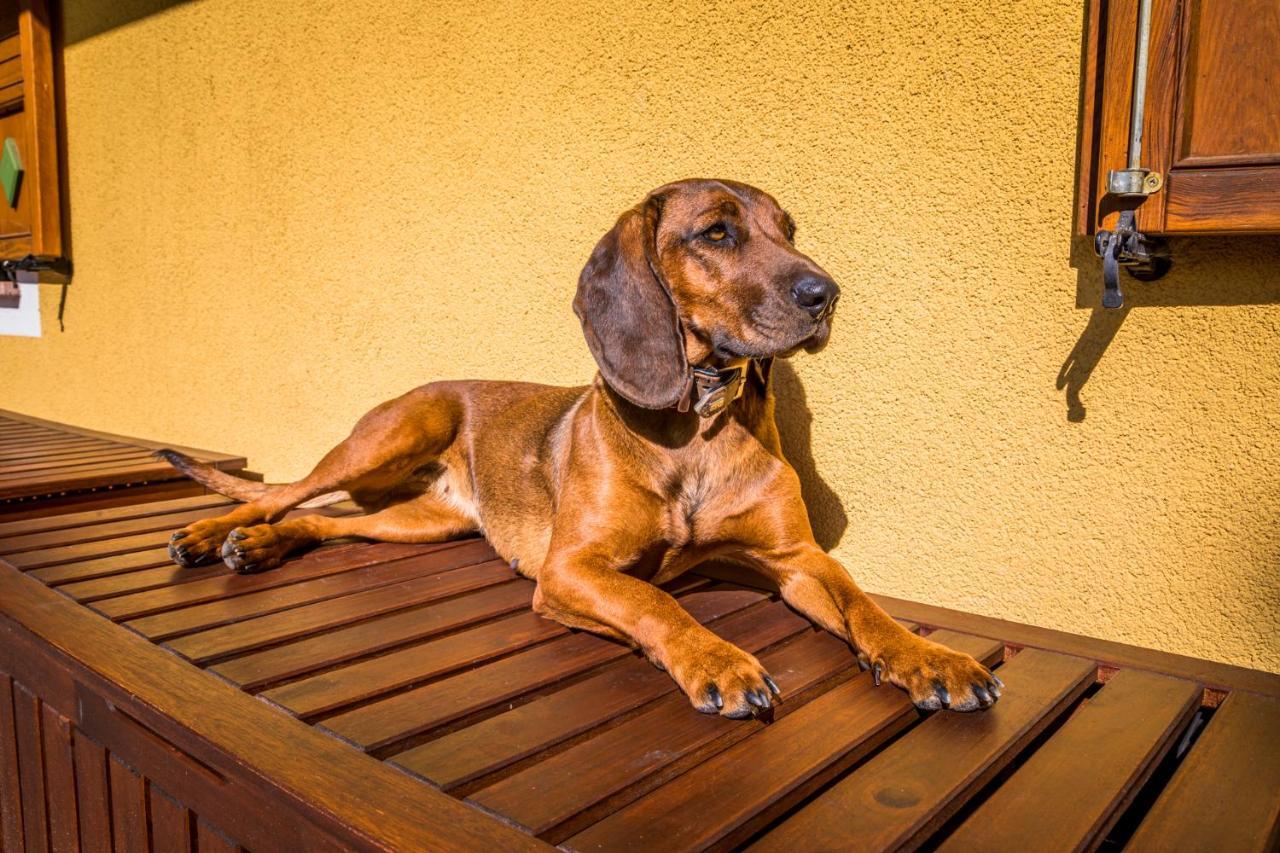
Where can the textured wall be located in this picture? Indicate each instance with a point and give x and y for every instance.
(284, 212)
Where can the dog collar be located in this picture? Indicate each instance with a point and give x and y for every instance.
(715, 388)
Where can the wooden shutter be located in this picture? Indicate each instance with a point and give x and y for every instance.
(28, 115)
(1211, 127)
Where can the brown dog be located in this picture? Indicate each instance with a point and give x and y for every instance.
(669, 458)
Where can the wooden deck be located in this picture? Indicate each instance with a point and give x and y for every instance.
(46, 466)
(406, 697)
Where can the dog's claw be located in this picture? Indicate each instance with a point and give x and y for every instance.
(714, 693)
(773, 686)
(984, 698)
(863, 663)
(877, 672)
(176, 536)
(940, 691)
(237, 535)
(997, 680)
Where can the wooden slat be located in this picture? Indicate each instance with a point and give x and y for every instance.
(10, 452)
(225, 461)
(93, 794)
(424, 708)
(311, 567)
(11, 836)
(170, 824)
(561, 794)
(27, 723)
(632, 683)
(744, 787)
(1090, 769)
(129, 825)
(410, 581)
(252, 671)
(70, 520)
(908, 790)
(101, 460)
(1226, 793)
(111, 530)
(365, 679)
(58, 554)
(102, 566)
(60, 780)
(142, 580)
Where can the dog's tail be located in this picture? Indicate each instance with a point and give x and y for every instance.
(236, 487)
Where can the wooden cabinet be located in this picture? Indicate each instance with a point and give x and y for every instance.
(1211, 123)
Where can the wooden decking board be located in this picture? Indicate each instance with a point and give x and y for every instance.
(101, 567)
(60, 781)
(904, 793)
(93, 808)
(1226, 793)
(312, 567)
(10, 802)
(253, 670)
(742, 788)
(530, 728)
(414, 580)
(34, 467)
(68, 521)
(224, 641)
(1089, 770)
(139, 580)
(112, 529)
(551, 796)
(430, 706)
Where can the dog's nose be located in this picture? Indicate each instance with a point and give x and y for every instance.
(816, 294)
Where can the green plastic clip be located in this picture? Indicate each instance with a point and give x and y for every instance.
(11, 171)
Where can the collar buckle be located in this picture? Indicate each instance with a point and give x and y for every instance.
(716, 389)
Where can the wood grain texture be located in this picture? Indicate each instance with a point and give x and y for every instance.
(908, 790)
(1226, 793)
(1090, 770)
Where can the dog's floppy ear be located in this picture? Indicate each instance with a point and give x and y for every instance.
(628, 316)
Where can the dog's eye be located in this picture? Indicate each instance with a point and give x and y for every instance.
(716, 233)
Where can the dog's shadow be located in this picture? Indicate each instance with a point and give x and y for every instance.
(795, 425)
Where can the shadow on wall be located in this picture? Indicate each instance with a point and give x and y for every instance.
(93, 17)
(1206, 271)
(795, 425)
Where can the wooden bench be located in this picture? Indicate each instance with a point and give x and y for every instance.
(50, 467)
(405, 697)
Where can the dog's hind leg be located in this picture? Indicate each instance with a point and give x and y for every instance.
(423, 519)
(384, 449)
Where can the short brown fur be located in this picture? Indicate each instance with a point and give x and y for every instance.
(602, 493)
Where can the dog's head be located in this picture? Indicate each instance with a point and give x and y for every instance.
(699, 270)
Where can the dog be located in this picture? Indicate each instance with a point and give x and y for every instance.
(602, 493)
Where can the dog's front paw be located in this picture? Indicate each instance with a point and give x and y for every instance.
(198, 543)
(720, 678)
(248, 550)
(936, 676)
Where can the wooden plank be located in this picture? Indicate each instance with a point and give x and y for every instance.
(310, 567)
(58, 554)
(60, 780)
(527, 729)
(310, 784)
(424, 708)
(107, 475)
(111, 530)
(412, 581)
(1226, 793)
(903, 794)
(40, 156)
(1090, 770)
(100, 460)
(93, 793)
(11, 835)
(362, 680)
(225, 461)
(27, 723)
(102, 566)
(170, 824)
(71, 449)
(142, 580)
(129, 813)
(739, 790)
(70, 520)
(252, 671)
(575, 787)
(113, 496)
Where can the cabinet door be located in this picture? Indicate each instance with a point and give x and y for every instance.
(1212, 120)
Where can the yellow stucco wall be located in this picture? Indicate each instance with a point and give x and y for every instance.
(285, 212)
